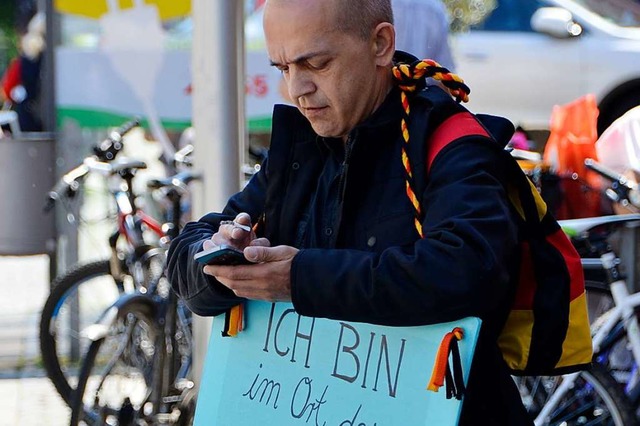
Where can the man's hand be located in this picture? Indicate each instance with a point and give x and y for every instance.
(232, 235)
(269, 279)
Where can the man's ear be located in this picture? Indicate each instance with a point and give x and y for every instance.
(385, 43)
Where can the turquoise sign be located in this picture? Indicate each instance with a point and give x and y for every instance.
(284, 369)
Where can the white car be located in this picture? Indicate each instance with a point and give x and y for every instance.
(529, 55)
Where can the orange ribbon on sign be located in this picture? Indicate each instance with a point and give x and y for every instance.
(234, 321)
(441, 374)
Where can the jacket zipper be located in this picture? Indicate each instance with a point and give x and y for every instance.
(342, 186)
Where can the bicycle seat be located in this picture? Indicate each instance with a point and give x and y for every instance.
(122, 164)
(178, 180)
(116, 166)
(575, 227)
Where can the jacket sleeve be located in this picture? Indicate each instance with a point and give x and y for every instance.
(203, 294)
(461, 267)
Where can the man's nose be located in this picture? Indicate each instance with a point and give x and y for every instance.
(299, 84)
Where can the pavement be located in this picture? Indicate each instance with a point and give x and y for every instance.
(27, 397)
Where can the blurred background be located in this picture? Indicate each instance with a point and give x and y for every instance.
(563, 71)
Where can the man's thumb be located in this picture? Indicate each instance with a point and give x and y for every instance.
(259, 254)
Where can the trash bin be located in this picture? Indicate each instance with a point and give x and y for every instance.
(26, 175)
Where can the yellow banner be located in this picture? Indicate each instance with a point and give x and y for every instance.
(94, 9)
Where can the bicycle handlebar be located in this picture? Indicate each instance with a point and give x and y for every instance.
(178, 181)
(68, 185)
(109, 148)
(105, 151)
(183, 156)
(622, 189)
(606, 172)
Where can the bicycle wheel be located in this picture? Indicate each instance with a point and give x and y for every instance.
(594, 399)
(76, 300)
(117, 381)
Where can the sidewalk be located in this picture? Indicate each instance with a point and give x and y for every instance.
(27, 397)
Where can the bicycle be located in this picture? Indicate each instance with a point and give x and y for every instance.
(620, 350)
(614, 328)
(87, 289)
(592, 396)
(137, 366)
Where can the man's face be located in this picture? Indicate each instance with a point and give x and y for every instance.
(330, 75)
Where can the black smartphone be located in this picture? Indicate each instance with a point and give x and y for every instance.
(222, 255)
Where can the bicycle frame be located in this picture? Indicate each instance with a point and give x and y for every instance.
(130, 218)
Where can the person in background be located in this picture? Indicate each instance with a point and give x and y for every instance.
(422, 28)
(21, 81)
(327, 223)
(11, 84)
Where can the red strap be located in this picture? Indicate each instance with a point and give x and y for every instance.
(453, 128)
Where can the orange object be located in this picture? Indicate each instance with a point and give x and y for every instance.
(441, 365)
(572, 139)
(234, 321)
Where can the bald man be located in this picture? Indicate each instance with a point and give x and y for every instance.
(327, 223)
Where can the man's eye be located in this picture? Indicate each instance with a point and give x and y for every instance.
(318, 65)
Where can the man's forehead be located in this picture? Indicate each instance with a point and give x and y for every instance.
(283, 50)
(292, 36)
(291, 3)
(312, 9)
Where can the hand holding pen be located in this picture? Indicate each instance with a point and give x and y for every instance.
(236, 233)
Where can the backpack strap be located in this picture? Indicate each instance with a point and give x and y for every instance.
(453, 128)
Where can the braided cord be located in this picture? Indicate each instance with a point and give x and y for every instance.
(410, 78)
(407, 166)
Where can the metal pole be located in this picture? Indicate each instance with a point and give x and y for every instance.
(218, 118)
(63, 250)
(47, 92)
(48, 106)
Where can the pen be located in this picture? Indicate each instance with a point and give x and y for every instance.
(245, 228)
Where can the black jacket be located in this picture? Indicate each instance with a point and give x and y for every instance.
(361, 258)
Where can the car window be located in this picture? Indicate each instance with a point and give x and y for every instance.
(625, 13)
(509, 15)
